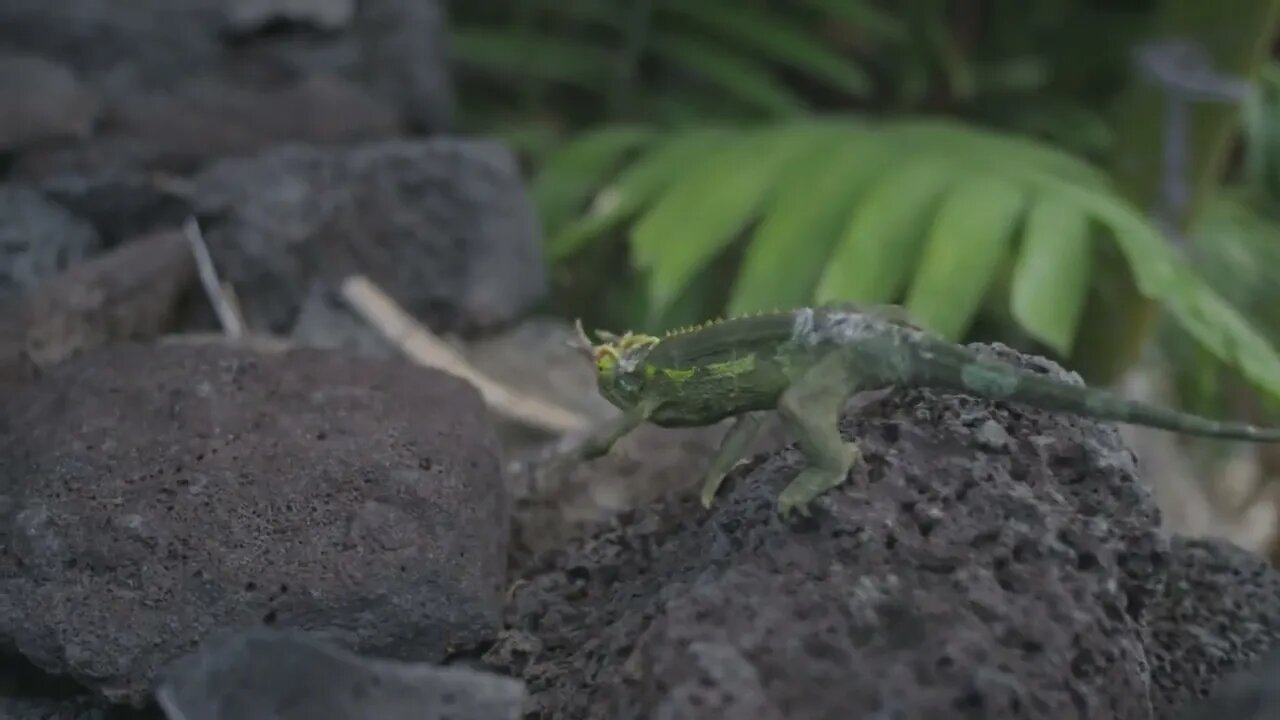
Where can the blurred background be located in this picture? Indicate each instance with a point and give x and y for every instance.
(1089, 180)
(1095, 181)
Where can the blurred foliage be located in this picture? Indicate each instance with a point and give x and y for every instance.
(690, 159)
(535, 71)
(1236, 248)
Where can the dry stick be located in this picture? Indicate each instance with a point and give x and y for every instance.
(423, 347)
(228, 316)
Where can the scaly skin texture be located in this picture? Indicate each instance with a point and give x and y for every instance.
(806, 363)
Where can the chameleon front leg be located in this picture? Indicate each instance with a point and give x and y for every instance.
(601, 441)
(810, 410)
(732, 448)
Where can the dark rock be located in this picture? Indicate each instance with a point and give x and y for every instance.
(325, 321)
(263, 674)
(38, 238)
(394, 47)
(1219, 613)
(13, 708)
(1249, 694)
(129, 293)
(151, 496)
(120, 207)
(445, 227)
(959, 573)
(244, 16)
(43, 102)
(179, 131)
(114, 46)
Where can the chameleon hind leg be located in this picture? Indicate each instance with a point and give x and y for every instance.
(732, 448)
(810, 410)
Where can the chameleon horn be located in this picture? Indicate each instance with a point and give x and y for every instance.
(581, 341)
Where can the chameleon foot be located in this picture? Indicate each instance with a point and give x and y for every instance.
(813, 482)
(733, 448)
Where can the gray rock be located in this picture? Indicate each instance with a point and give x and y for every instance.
(949, 577)
(1219, 613)
(151, 496)
(110, 45)
(121, 207)
(181, 130)
(1249, 694)
(251, 15)
(443, 226)
(14, 708)
(262, 674)
(43, 102)
(326, 322)
(395, 47)
(38, 238)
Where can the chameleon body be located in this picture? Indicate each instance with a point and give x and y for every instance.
(805, 363)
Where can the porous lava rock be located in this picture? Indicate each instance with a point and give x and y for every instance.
(150, 496)
(1219, 613)
(985, 560)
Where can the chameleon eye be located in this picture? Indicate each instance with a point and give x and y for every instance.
(606, 359)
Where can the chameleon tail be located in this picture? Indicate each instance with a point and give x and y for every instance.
(961, 369)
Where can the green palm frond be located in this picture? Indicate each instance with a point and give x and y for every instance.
(920, 212)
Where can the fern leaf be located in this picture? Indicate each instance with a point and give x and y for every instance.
(803, 222)
(1162, 276)
(742, 79)
(566, 179)
(971, 235)
(637, 185)
(1052, 275)
(702, 211)
(873, 259)
(990, 151)
(772, 36)
(865, 17)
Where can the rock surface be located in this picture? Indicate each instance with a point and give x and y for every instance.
(1249, 694)
(987, 561)
(152, 496)
(209, 76)
(43, 102)
(1219, 613)
(263, 674)
(443, 226)
(38, 238)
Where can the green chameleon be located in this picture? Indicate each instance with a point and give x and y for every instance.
(805, 363)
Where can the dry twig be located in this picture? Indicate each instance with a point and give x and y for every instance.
(423, 347)
(219, 294)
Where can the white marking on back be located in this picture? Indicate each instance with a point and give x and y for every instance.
(802, 328)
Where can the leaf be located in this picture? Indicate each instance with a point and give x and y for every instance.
(744, 80)
(511, 53)
(702, 211)
(1161, 275)
(970, 237)
(1052, 275)
(877, 250)
(772, 36)
(864, 16)
(803, 221)
(575, 169)
(989, 151)
(639, 183)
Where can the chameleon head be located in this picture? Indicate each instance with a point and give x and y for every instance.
(619, 361)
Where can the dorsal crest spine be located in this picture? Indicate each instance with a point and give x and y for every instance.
(687, 329)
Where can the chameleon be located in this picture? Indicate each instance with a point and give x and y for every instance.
(805, 363)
